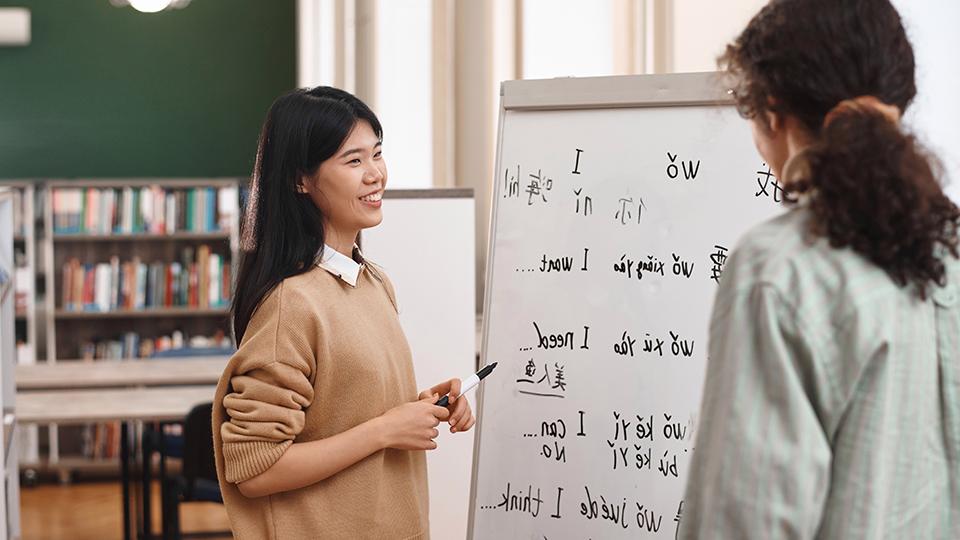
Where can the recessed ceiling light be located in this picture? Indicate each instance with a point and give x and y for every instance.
(150, 6)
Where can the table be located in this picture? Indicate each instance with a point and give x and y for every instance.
(106, 373)
(147, 406)
(156, 404)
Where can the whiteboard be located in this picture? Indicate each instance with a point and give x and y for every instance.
(426, 246)
(615, 199)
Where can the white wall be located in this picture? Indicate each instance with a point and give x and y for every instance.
(316, 54)
(702, 29)
(404, 90)
(935, 115)
(426, 247)
(563, 38)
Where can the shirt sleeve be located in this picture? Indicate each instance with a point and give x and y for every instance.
(761, 464)
(270, 389)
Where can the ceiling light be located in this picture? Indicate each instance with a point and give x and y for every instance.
(149, 6)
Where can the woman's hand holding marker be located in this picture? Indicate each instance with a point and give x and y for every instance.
(461, 416)
(413, 426)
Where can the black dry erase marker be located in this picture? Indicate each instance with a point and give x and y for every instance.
(471, 381)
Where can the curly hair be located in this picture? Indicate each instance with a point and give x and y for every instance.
(870, 186)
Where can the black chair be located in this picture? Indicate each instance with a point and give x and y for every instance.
(197, 480)
(165, 438)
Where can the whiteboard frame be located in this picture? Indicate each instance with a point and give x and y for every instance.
(580, 93)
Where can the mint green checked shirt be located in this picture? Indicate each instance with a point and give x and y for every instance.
(832, 399)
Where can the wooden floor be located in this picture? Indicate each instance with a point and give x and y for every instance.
(91, 511)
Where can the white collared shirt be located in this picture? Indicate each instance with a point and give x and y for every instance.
(340, 265)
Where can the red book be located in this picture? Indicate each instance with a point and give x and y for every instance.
(225, 282)
(89, 292)
(76, 281)
(168, 286)
(126, 289)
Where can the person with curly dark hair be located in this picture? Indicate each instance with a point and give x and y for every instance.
(831, 404)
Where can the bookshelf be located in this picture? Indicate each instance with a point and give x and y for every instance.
(23, 199)
(132, 267)
(10, 499)
(148, 313)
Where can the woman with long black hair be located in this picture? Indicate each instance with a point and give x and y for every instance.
(318, 428)
(832, 398)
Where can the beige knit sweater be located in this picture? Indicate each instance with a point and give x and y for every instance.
(320, 357)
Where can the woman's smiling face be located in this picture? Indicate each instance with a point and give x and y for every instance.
(348, 187)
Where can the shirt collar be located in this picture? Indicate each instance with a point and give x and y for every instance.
(340, 265)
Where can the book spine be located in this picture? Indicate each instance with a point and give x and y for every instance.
(115, 282)
(66, 289)
(141, 285)
(226, 285)
(214, 272)
(89, 286)
(211, 217)
(170, 222)
(189, 210)
(159, 211)
(102, 287)
(126, 219)
(168, 285)
(203, 262)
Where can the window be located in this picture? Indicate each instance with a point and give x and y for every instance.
(403, 95)
(563, 38)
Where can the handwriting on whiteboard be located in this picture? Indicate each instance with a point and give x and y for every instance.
(643, 260)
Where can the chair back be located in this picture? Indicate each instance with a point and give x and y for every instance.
(198, 460)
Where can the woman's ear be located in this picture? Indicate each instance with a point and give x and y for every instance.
(774, 121)
(302, 184)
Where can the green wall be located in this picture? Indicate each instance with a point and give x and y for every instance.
(103, 91)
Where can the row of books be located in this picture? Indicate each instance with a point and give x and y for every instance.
(101, 441)
(149, 210)
(198, 280)
(133, 345)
